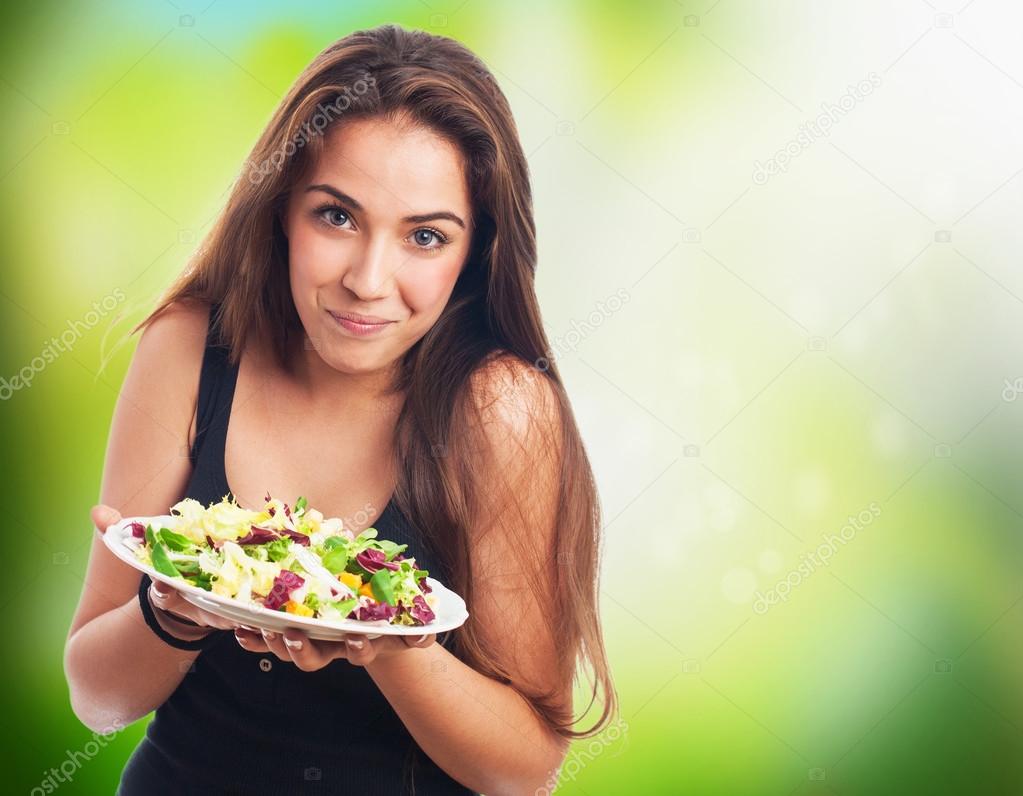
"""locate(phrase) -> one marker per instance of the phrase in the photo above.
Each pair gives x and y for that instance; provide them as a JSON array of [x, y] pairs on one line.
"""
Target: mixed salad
[[287, 559]]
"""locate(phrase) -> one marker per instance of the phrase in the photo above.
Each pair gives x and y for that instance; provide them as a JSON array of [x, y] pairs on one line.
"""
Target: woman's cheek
[[427, 289], [319, 260]]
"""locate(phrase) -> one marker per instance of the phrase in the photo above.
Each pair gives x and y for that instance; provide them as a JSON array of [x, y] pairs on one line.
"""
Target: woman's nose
[[370, 273]]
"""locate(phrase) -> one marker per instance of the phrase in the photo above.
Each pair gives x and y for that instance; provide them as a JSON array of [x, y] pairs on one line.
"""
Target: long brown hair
[[242, 265]]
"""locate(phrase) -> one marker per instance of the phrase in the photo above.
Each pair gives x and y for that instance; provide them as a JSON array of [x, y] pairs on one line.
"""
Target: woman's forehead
[[385, 165]]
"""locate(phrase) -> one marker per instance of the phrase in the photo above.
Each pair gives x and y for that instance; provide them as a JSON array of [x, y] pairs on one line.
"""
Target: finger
[[208, 619], [164, 597], [104, 516], [306, 653], [169, 599], [251, 640], [420, 641], [275, 643], [360, 650]]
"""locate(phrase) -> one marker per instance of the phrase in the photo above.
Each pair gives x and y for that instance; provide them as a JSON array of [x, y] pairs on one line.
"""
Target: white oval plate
[[448, 607]]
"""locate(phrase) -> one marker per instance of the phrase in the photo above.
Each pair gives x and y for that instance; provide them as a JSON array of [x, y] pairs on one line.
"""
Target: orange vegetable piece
[[293, 607], [350, 580]]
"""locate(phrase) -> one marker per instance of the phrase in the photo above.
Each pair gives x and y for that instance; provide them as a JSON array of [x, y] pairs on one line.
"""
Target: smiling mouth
[[362, 320], [359, 324]]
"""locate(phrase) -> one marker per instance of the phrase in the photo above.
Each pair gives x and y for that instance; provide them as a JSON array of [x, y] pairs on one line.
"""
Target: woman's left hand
[[312, 654]]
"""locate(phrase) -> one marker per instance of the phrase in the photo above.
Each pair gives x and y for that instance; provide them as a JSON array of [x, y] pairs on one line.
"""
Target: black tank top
[[249, 723]]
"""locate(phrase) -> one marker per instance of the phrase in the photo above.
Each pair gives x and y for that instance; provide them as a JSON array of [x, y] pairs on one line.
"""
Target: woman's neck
[[320, 384]]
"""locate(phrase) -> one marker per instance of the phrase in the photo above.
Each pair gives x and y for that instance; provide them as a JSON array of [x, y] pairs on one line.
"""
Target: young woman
[[360, 327]]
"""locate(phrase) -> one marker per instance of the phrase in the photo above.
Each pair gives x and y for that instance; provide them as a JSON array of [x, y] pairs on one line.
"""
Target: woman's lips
[[357, 318], [361, 325]]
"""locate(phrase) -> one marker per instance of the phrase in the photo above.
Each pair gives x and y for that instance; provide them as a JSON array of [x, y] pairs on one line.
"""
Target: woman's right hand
[[168, 599], [162, 595]]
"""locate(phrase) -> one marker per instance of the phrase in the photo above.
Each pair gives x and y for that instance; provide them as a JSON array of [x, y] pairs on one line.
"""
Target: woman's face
[[381, 227]]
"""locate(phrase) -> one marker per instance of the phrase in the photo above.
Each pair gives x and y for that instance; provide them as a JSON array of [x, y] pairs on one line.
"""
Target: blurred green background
[[801, 369]]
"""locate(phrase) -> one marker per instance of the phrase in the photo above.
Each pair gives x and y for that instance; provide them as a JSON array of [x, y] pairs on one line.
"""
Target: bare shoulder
[[178, 329], [162, 382], [513, 396], [171, 347]]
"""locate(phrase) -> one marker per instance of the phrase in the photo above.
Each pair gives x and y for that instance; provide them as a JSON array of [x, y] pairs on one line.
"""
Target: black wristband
[[150, 616]]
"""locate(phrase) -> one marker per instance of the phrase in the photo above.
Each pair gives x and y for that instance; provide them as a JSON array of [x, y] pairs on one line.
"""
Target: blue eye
[[424, 236], [330, 214]]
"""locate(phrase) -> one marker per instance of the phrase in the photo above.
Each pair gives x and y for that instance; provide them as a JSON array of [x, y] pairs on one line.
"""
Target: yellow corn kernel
[[300, 609]]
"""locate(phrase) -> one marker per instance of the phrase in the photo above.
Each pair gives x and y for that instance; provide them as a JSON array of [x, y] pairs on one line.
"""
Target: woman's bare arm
[[483, 732], [116, 667]]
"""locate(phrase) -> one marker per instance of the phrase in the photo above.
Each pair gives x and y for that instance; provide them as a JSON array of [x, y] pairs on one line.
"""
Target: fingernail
[[293, 643], [268, 635], [355, 643]]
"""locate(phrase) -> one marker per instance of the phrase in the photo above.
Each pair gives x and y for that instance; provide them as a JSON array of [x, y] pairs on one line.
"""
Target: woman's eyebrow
[[354, 204]]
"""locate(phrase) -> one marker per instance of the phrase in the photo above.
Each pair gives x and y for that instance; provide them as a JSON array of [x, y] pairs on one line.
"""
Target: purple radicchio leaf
[[371, 560], [421, 611], [373, 611], [258, 536], [285, 582]]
